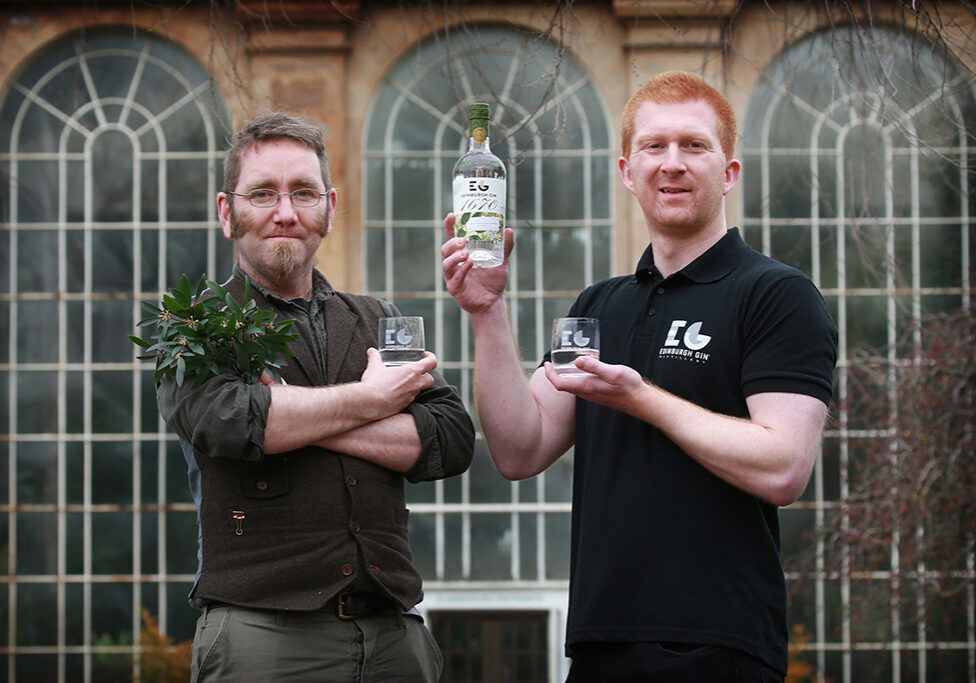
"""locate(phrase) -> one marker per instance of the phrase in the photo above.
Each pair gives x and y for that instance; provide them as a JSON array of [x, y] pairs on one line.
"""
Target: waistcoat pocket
[[263, 484]]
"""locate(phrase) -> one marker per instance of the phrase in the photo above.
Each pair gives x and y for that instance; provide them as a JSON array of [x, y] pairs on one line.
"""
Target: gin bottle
[[479, 194]]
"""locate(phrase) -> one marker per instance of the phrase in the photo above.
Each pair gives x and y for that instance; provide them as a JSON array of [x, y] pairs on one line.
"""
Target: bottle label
[[479, 208]]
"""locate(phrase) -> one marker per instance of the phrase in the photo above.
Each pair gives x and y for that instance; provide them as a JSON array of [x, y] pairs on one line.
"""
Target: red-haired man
[[703, 413]]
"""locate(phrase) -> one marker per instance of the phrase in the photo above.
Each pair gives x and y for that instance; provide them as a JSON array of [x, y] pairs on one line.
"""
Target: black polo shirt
[[662, 549]]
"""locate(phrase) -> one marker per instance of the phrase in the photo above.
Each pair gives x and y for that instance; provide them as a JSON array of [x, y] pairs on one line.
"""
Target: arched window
[[109, 148], [857, 155], [550, 127]]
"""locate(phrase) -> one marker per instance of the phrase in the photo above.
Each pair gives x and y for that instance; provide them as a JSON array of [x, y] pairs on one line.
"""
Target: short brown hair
[[274, 126], [680, 86]]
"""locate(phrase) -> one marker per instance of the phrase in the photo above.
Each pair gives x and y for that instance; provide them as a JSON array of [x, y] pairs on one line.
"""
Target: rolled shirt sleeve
[[224, 417], [446, 433]]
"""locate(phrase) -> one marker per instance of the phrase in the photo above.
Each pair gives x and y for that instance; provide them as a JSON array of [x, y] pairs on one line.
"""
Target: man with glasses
[[305, 569]]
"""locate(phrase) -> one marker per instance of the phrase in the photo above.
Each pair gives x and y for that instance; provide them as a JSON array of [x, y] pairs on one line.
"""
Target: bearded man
[[304, 563]]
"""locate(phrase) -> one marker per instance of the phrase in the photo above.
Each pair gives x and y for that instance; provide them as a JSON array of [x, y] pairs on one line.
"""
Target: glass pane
[[37, 402], [557, 545], [423, 545], [528, 546], [487, 486], [182, 618], [562, 188], [37, 667], [111, 167], [111, 406], [34, 554], [111, 321], [37, 332], [110, 75], [37, 473], [413, 188], [75, 342], [186, 253], [75, 548], [791, 245], [151, 194], [564, 266], [32, 195], [38, 260], [177, 490], [188, 193], [111, 534], [181, 542], [452, 539], [185, 129], [491, 546], [415, 257], [40, 131], [4, 487], [112, 258], [789, 186], [112, 613], [559, 479], [39, 600], [111, 473]]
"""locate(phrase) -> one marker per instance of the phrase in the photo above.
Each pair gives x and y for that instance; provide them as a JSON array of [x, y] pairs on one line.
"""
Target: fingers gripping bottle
[[479, 195]]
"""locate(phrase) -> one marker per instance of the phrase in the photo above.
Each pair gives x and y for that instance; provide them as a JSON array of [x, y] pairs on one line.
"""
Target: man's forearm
[[769, 455], [391, 442], [300, 416], [523, 437]]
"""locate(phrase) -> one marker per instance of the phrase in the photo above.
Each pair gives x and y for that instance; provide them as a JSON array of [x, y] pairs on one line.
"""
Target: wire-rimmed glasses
[[303, 197]]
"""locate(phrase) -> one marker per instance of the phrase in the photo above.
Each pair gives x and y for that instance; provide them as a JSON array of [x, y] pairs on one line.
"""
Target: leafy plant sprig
[[204, 335]]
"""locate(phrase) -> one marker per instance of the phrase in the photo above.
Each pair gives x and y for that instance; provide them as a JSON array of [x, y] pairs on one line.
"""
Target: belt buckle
[[341, 611]]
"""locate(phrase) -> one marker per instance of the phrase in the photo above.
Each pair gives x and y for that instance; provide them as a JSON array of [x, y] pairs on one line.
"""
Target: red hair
[[671, 87]]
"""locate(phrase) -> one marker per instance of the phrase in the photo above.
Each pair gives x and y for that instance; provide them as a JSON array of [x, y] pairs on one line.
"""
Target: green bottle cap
[[478, 115], [478, 110]]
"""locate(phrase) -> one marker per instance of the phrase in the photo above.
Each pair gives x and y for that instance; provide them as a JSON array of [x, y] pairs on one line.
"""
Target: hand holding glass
[[571, 339], [401, 340]]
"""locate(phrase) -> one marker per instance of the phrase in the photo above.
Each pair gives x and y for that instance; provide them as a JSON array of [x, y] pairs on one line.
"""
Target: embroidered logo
[[686, 342]]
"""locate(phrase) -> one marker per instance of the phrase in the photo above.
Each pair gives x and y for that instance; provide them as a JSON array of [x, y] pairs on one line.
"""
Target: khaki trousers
[[242, 645]]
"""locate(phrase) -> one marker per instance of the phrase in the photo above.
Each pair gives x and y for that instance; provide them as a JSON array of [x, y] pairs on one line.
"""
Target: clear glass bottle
[[479, 194]]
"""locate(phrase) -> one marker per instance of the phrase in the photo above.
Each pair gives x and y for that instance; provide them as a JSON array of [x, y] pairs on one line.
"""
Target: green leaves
[[203, 331]]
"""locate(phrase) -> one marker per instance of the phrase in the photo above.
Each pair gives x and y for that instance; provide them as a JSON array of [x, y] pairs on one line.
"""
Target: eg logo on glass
[[578, 340], [403, 337]]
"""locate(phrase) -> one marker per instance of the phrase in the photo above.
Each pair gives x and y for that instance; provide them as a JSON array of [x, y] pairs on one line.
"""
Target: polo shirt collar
[[720, 259]]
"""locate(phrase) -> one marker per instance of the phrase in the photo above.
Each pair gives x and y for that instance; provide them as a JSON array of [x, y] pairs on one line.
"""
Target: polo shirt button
[[351, 480], [346, 570], [355, 527], [660, 290], [651, 312], [261, 485]]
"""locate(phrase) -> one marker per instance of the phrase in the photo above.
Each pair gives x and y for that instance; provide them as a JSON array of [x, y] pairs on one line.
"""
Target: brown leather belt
[[360, 605]]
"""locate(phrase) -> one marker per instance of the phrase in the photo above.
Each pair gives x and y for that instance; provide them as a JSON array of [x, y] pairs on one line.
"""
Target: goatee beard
[[284, 260], [285, 256]]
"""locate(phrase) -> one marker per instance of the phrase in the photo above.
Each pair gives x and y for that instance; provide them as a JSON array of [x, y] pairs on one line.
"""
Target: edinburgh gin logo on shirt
[[686, 342]]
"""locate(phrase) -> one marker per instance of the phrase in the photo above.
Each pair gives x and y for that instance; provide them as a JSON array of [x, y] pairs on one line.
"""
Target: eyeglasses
[[304, 197]]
